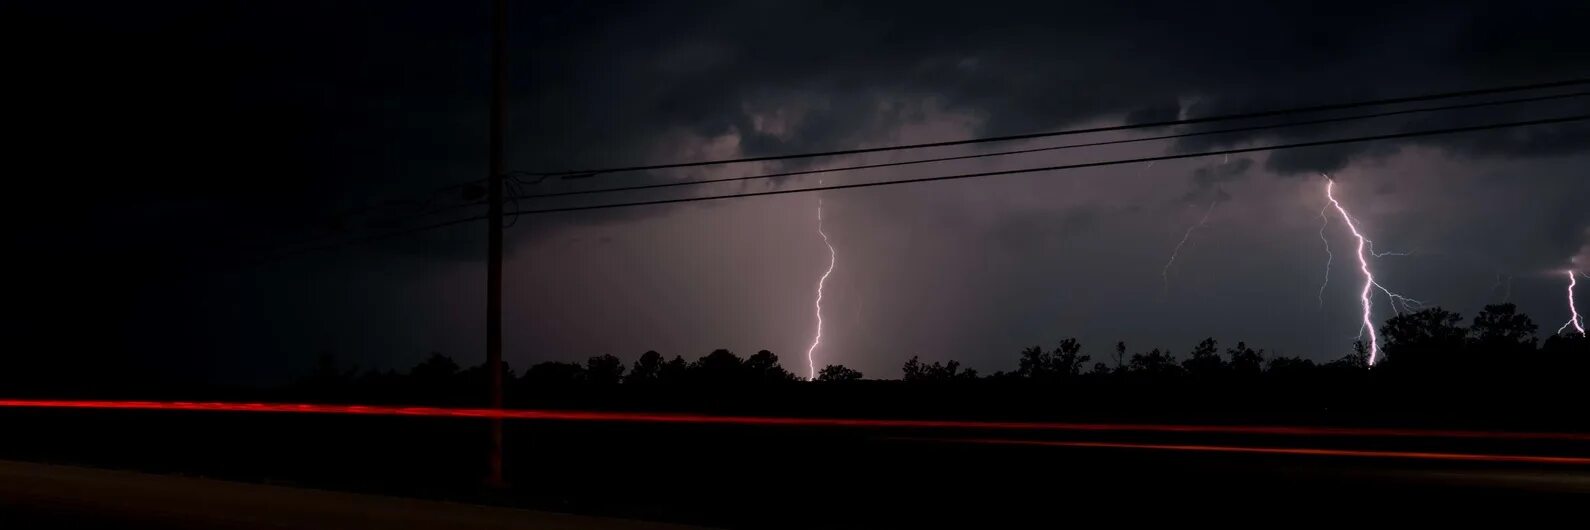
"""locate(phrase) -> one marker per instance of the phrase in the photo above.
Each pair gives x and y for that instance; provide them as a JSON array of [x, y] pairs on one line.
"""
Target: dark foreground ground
[[55, 496], [786, 477]]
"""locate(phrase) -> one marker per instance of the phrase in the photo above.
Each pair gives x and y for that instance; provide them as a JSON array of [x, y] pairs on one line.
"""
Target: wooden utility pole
[[499, 104]]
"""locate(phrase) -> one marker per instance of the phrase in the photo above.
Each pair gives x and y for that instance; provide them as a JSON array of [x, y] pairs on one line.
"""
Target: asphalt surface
[[55, 496], [757, 476]]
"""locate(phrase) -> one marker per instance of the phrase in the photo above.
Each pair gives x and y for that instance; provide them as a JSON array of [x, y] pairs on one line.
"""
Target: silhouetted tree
[[1358, 360], [1033, 364], [1065, 361], [1204, 362], [1155, 364], [1500, 331], [648, 369], [604, 370], [1246, 363], [835, 373], [437, 368], [763, 367], [1288, 367], [675, 371], [720, 366], [917, 371], [553, 375], [1567, 353], [1418, 341]]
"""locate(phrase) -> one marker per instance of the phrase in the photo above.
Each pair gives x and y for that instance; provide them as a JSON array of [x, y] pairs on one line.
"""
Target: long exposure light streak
[[770, 421], [1293, 451]]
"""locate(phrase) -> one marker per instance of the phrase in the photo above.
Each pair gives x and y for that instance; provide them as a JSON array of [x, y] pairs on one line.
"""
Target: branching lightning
[[1164, 273], [811, 362], [1574, 319], [1399, 303], [1384, 254]]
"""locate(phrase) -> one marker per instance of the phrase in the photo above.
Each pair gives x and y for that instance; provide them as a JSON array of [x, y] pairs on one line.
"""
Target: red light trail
[[1294, 451], [767, 421]]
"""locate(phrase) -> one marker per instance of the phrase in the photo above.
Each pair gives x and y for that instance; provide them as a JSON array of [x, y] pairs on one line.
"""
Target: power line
[[582, 173], [435, 193], [1052, 148], [1413, 134], [1338, 141]]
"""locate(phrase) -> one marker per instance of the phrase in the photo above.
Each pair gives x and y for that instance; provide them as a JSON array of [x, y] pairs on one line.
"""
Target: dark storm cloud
[[1209, 181], [1169, 111], [388, 97], [253, 124], [1029, 230], [1216, 174], [1053, 66]]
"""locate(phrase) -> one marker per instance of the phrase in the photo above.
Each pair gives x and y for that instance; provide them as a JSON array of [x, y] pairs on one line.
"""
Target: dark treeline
[[1430, 362], [1431, 365]]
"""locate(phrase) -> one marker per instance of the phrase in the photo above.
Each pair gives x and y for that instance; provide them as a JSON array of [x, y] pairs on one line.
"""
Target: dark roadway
[[769, 477], [53, 496]]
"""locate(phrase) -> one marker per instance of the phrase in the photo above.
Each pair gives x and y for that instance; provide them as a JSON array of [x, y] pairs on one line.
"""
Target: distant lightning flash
[[1325, 221], [1164, 274], [1574, 320], [1365, 296], [1504, 282], [811, 363]]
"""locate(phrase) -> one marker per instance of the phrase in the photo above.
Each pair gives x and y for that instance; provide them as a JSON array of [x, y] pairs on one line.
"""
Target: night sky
[[160, 151]]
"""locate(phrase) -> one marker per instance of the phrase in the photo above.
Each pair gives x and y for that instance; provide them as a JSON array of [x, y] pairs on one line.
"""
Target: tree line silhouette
[[1430, 358], [1426, 350]]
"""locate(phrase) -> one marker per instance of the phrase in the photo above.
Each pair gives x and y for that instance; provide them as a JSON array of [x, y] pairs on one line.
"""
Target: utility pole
[[499, 104]]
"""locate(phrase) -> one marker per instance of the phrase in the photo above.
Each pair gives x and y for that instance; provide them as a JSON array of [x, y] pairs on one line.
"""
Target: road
[[794, 475], [54, 496]]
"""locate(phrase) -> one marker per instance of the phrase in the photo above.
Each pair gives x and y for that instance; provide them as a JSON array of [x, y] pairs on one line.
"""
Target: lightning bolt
[[1575, 320], [1325, 221], [1164, 274], [811, 362], [1366, 296]]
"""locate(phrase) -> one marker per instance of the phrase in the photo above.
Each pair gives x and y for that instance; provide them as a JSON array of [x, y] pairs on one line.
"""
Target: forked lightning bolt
[[1574, 319], [811, 362], [1365, 296]]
